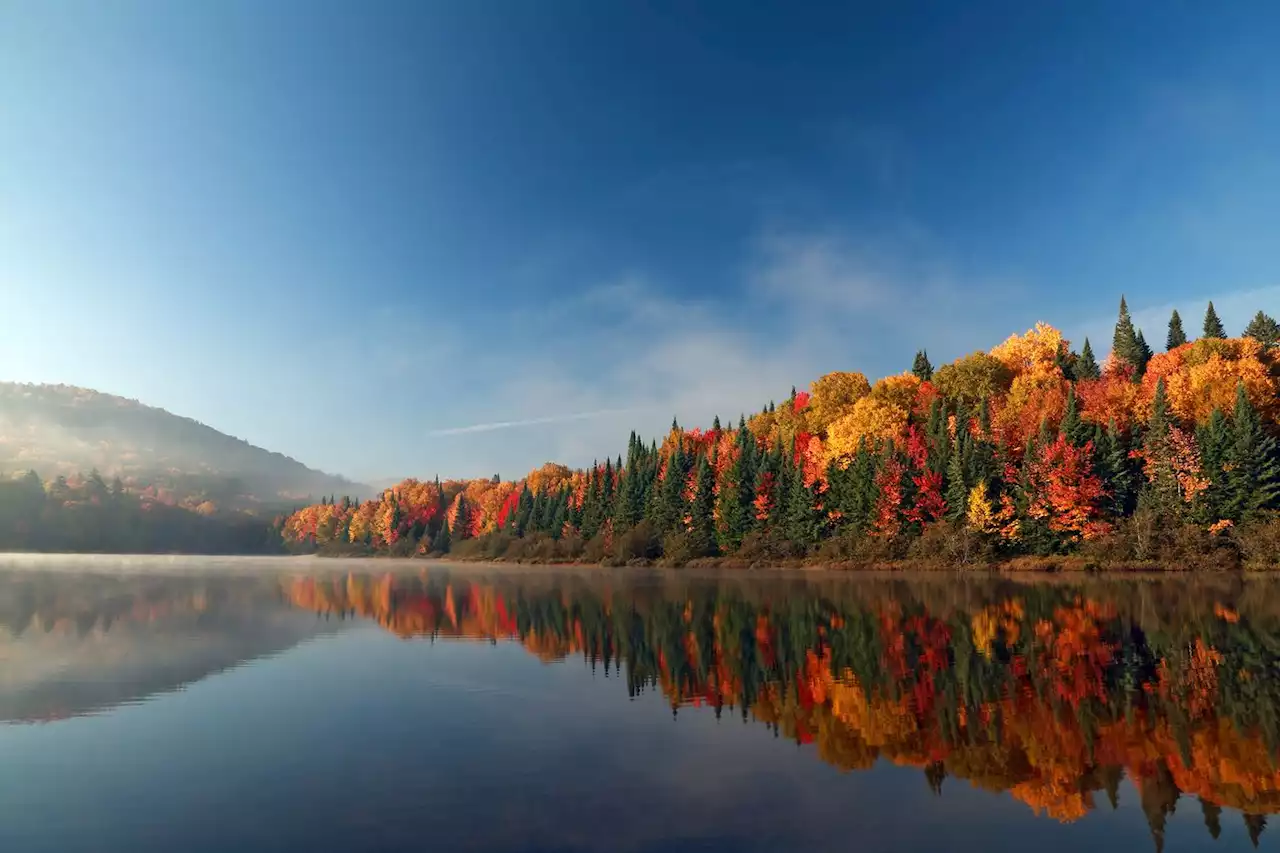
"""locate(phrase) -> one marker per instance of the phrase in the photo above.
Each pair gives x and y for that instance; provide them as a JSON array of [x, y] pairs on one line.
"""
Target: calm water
[[257, 706]]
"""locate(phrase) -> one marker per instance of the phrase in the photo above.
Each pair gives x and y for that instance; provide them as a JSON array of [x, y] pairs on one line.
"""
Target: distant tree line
[[86, 514]]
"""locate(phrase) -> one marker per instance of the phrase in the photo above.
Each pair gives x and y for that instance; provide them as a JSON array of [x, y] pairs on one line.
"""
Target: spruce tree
[[1160, 493], [1212, 325], [938, 437], [802, 523], [1144, 352], [461, 522], [1214, 438], [1263, 329], [1087, 365], [1116, 469], [702, 525], [730, 506], [1253, 463], [669, 504], [957, 495], [441, 543], [921, 366], [1176, 336], [1124, 343], [1075, 431]]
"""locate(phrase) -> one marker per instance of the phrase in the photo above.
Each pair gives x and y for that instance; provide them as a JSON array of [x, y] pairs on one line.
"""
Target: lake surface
[[324, 705]]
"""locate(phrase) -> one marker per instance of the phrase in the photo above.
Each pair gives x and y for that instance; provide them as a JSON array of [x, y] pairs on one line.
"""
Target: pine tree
[[938, 436], [958, 485], [1124, 343], [921, 366], [1254, 466], [1074, 430], [461, 522], [441, 543], [1115, 466], [733, 511], [1176, 336], [669, 504], [1212, 817], [1212, 325], [1161, 493], [803, 521], [702, 524], [1143, 351], [1087, 365], [1214, 439], [1263, 329]]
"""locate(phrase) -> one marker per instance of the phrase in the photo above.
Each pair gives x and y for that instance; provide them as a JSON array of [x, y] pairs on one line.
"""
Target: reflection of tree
[[1049, 692]]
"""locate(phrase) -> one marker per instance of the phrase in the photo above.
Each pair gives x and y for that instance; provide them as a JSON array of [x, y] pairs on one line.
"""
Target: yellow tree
[[872, 418], [834, 396]]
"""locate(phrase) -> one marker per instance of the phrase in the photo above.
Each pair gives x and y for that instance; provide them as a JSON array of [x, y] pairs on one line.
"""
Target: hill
[[59, 430]]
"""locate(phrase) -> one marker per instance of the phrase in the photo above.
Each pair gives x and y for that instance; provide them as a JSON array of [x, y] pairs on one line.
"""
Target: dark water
[[318, 706]]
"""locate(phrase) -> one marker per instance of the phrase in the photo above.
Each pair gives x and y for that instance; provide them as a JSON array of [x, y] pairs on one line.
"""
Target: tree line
[[1031, 448], [85, 514]]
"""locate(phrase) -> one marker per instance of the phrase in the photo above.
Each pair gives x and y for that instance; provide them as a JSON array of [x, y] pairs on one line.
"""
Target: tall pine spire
[[1212, 325], [1176, 336]]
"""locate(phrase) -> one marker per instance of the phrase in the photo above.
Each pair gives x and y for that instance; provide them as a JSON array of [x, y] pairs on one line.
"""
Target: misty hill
[[61, 429]]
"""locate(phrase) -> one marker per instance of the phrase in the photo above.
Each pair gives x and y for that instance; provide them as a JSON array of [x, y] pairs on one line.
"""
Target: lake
[[175, 704]]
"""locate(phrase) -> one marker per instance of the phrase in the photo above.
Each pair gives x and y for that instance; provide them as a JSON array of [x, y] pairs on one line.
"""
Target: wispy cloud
[[528, 422]]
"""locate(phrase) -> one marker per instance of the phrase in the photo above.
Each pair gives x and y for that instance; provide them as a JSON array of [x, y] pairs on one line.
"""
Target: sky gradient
[[401, 239]]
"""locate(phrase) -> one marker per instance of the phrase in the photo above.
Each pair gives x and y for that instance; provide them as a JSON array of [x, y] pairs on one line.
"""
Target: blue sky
[[354, 233]]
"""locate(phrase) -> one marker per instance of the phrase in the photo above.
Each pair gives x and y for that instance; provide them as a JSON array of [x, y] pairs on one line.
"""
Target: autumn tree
[[974, 378]]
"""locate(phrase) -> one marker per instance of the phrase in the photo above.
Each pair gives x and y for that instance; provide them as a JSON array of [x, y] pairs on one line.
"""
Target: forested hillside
[[61, 430], [1030, 448]]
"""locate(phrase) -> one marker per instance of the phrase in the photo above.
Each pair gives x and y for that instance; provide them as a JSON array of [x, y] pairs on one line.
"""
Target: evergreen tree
[[1116, 469], [461, 522], [1212, 817], [732, 505], [559, 514], [1144, 352], [1072, 428], [1254, 467], [1176, 336], [1160, 493], [1087, 365], [802, 521], [921, 366], [702, 525], [441, 542], [1212, 325], [958, 485], [1263, 329], [1215, 439], [1254, 824], [592, 505], [938, 437], [669, 503], [1124, 343]]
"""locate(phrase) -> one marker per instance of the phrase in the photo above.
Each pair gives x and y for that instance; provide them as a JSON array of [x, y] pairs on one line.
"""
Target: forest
[[1049, 692], [85, 514], [1031, 454]]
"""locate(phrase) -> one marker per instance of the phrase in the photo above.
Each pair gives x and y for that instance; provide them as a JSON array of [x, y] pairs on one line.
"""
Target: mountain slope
[[61, 429]]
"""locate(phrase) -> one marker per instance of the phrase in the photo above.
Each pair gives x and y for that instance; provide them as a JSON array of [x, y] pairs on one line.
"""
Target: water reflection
[[1052, 694]]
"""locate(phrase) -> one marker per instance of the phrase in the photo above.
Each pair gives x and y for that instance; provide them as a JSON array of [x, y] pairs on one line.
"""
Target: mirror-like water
[[295, 705]]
